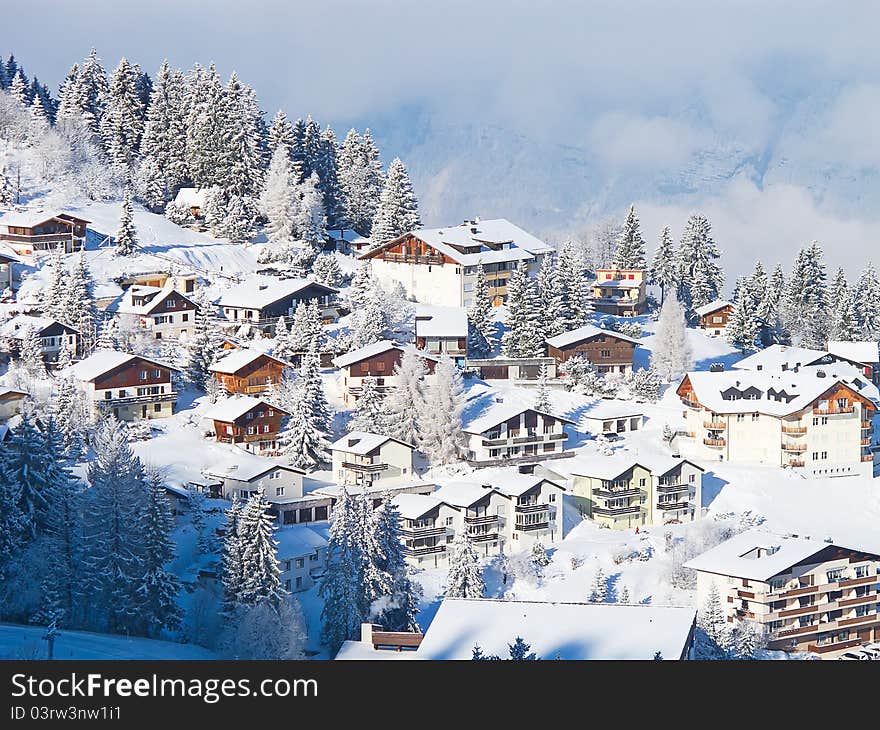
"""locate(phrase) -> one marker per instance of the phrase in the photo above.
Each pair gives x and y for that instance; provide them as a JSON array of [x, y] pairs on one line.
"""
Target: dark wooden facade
[[717, 319], [381, 365], [172, 303], [259, 425], [60, 231], [606, 351], [135, 373], [258, 376]]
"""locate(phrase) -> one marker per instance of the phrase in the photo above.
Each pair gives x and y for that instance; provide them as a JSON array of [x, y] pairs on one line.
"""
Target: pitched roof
[[377, 348], [413, 506], [613, 409], [863, 352], [298, 540], [160, 294], [261, 291], [583, 333], [31, 218], [739, 556], [229, 409], [497, 413], [102, 361], [361, 442], [441, 321], [576, 631], [247, 469], [792, 391], [237, 359], [190, 197], [463, 494], [15, 327], [712, 306], [782, 357], [498, 232]]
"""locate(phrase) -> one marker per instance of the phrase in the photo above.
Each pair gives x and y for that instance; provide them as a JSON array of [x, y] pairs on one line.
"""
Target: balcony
[[799, 591], [615, 511], [859, 601], [794, 447], [715, 443], [866, 425], [861, 581], [370, 468], [714, 425], [796, 463], [136, 399], [671, 488], [532, 526], [867, 457], [424, 549], [423, 531], [483, 536], [835, 646], [495, 442], [800, 611], [481, 519], [690, 403], [866, 442], [612, 493], [671, 506], [407, 258], [833, 410], [794, 430], [531, 508]]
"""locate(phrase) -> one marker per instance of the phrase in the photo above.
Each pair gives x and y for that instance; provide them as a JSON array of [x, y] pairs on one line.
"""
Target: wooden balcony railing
[[714, 425], [714, 442], [794, 447], [833, 410], [794, 430]]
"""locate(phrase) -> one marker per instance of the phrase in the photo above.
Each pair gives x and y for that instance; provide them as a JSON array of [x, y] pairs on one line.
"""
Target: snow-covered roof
[[345, 234], [599, 466], [261, 291], [463, 494], [31, 218], [237, 359], [498, 232], [7, 391], [607, 409], [617, 283], [574, 631], [441, 321], [296, 541], [756, 555], [190, 198], [413, 506], [782, 357], [377, 348], [712, 306], [377, 487], [21, 322], [509, 480], [236, 406], [125, 303], [497, 413], [583, 333], [778, 393], [250, 468], [361, 442], [7, 254], [863, 352], [102, 361]]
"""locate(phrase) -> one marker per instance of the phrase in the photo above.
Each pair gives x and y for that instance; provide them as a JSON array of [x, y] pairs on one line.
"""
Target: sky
[[553, 114]]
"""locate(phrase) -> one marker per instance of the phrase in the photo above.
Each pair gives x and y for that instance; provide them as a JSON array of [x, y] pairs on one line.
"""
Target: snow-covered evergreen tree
[[327, 271], [523, 337], [868, 302], [439, 421], [261, 574], [742, 329], [122, 124], [233, 572], [542, 397], [279, 202], [361, 180], [748, 637], [700, 278], [845, 317], [465, 578], [483, 337], [711, 621], [304, 439], [581, 376], [26, 469], [369, 413], [204, 348], [573, 307], [398, 209], [310, 221], [805, 306], [406, 401], [280, 136], [599, 591], [401, 606], [630, 252], [31, 353], [158, 589], [671, 356], [664, 266], [126, 235]]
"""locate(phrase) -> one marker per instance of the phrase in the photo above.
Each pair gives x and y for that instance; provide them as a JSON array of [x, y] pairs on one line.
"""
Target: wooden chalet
[[375, 361], [714, 316], [608, 351], [246, 371], [261, 300], [26, 233], [251, 423]]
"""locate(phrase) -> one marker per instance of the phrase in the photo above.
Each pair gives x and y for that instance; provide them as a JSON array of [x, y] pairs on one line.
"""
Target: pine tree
[[542, 397], [126, 236], [671, 355], [397, 211], [700, 277], [868, 302], [519, 651], [280, 136], [327, 271], [439, 421], [158, 589], [310, 221], [664, 269], [31, 353], [742, 329], [370, 322], [523, 336], [93, 91], [624, 596], [582, 377], [233, 570], [805, 309], [599, 592], [18, 90], [483, 338], [402, 604], [712, 622], [278, 201], [206, 127], [549, 294], [341, 616], [26, 466], [465, 578], [305, 437], [70, 415], [845, 322], [631, 247], [407, 399], [204, 347], [122, 124], [261, 574], [360, 180], [573, 307], [369, 413], [241, 167], [748, 638]]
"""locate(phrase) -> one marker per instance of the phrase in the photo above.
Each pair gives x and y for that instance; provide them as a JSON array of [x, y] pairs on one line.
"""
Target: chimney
[[367, 633], [527, 468]]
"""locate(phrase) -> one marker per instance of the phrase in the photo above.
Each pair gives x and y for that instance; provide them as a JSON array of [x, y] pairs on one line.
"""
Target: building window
[[157, 407], [287, 585], [299, 582], [299, 562], [279, 491], [143, 374], [605, 353]]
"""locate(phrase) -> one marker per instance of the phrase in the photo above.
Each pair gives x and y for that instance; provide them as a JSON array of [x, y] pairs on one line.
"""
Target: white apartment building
[[506, 431], [439, 265], [361, 458], [816, 419], [52, 334], [162, 311], [810, 595], [505, 511], [302, 556]]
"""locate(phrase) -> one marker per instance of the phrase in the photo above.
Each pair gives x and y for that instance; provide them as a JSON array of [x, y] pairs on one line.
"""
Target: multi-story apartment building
[[54, 336], [130, 387], [621, 292], [505, 511], [439, 265], [865, 355], [31, 231], [624, 491], [506, 431], [162, 311], [714, 316], [245, 371], [302, 556], [442, 330], [809, 595], [374, 361], [361, 458], [250, 423], [816, 419], [609, 351]]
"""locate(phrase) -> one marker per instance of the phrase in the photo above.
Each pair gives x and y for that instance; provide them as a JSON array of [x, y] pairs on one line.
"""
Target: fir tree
[[158, 589], [369, 414], [439, 421], [542, 397], [305, 438], [664, 269], [520, 651], [261, 574], [465, 578], [573, 307], [845, 321], [700, 277], [126, 236], [406, 401], [523, 336], [671, 356], [713, 624], [26, 467], [122, 123], [280, 136], [402, 605], [483, 337], [327, 271], [397, 211], [631, 247], [278, 201], [31, 353], [599, 592], [868, 302], [805, 306], [742, 329], [233, 571]]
